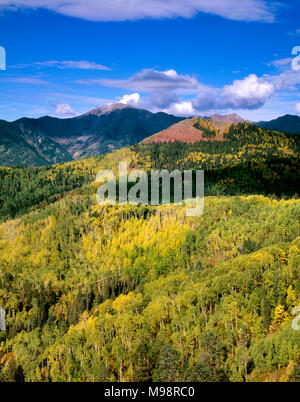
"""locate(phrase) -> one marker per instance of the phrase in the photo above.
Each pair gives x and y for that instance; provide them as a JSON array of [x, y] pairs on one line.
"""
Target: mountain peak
[[111, 107], [229, 118]]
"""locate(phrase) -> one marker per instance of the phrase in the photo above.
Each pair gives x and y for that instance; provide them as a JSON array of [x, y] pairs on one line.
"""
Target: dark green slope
[[14, 150], [122, 128], [48, 140], [286, 124], [19, 147], [99, 131]]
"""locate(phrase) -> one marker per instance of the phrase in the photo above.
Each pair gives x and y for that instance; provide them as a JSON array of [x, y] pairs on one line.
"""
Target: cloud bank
[[185, 95], [124, 10], [150, 80]]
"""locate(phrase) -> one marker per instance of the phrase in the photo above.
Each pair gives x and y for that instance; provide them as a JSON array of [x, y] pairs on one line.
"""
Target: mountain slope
[[50, 140], [286, 124], [21, 147], [191, 131]]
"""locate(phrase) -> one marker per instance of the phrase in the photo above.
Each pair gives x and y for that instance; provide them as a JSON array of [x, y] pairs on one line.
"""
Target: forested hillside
[[237, 159], [139, 293], [287, 124], [17, 150], [24, 188]]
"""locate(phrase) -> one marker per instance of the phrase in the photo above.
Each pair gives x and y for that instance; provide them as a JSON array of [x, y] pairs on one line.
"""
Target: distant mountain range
[[49, 140], [286, 124]]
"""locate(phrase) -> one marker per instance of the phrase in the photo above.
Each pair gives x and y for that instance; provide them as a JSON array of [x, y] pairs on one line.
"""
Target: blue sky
[[191, 57]]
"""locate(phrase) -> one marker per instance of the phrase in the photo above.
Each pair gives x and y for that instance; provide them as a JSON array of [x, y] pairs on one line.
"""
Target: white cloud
[[121, 10], [64, 64], [249, 93], [63, 109], [182, 109], [171, 73], [150, 80], [297, 107], [132, 99]]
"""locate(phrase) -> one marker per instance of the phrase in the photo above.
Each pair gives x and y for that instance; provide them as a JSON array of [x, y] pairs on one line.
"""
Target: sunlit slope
[[187, 131], [141, 293]]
